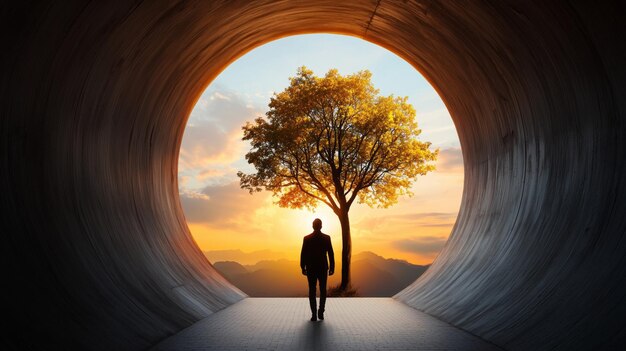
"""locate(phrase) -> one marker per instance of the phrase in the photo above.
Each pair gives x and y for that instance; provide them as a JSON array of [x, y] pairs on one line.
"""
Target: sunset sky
[[221, 216]]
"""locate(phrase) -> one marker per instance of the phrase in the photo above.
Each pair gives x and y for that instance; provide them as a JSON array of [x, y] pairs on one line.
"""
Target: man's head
[[317, 224]]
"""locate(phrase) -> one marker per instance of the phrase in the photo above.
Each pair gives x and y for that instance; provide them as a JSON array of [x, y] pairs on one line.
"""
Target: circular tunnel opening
[[256, 244]]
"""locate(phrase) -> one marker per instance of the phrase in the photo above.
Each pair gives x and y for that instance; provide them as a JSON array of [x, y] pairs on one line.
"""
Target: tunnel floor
[[350, 324]]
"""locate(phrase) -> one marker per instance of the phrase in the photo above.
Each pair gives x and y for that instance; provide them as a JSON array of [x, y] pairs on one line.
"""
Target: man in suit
[[314, 264]]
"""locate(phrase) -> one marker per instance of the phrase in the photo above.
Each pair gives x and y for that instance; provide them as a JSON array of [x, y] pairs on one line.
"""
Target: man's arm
[[302, 253], [331, 257]]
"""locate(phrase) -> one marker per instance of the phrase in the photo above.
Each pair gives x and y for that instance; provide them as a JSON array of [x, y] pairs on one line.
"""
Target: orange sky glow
[[425, 219]]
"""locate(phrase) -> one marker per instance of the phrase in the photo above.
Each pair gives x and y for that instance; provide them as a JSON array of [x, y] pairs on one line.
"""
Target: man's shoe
[[320, 314], [314, 318]]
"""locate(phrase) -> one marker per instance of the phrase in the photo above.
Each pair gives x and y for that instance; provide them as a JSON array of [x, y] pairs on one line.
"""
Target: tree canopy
[[334, 140]]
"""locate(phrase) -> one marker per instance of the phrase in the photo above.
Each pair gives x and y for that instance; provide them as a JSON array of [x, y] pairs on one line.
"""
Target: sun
[[303, 220]]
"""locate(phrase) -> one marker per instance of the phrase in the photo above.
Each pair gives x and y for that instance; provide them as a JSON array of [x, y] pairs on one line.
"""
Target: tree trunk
[[346, 249]]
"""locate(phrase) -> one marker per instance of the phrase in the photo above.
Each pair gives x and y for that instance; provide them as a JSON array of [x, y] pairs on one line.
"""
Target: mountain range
[[372, 275], [245, 258]]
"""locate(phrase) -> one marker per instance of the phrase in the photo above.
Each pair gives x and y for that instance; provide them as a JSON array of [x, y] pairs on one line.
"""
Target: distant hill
[[243, 257], [403, 272], [372, 274], [230, 268]]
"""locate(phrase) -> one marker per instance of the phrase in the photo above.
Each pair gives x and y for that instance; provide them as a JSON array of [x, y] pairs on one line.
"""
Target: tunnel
[[95, 96]]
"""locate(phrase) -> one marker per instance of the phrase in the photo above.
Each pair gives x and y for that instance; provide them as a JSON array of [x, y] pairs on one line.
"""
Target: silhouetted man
[[315, 266]]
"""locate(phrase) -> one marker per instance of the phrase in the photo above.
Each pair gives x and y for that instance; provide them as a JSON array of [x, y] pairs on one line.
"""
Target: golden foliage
[[334, 139]]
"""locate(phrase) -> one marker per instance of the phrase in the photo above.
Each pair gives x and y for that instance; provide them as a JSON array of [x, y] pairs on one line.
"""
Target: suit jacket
[[315, 246]]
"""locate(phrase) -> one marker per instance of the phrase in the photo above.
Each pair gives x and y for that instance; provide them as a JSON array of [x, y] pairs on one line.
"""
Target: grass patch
[[336, 291]]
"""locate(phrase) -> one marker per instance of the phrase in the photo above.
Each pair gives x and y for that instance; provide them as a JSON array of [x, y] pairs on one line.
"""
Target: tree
[[334, 140]]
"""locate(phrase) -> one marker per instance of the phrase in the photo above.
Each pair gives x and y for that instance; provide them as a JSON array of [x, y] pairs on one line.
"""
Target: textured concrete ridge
[[94, 98], [350, 324]]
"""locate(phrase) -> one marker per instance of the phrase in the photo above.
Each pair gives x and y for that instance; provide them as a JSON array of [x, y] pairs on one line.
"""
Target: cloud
[[221, 205], [213, 133], [421, 219], [438, 216], [421, 245], [195, 195], [450, 160]]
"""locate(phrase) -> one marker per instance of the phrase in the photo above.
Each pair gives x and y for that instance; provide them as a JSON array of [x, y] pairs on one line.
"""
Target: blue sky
[[212, 151], [266, 69], [269, 66]]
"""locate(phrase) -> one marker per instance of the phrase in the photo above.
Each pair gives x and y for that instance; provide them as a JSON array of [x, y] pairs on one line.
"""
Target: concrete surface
[[359, 324], [94, 97]]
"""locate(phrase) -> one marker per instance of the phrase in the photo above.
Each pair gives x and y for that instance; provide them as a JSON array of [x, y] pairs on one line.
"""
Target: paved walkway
[[351, 324]]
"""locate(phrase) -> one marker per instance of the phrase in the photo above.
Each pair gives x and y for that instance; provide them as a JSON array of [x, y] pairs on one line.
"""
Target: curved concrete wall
[[96, 252]]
